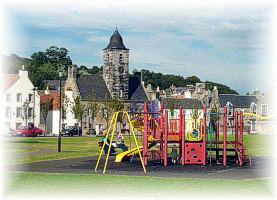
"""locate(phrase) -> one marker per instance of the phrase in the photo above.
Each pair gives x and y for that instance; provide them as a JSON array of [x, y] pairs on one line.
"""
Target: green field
[[33, 149], [37, 149]]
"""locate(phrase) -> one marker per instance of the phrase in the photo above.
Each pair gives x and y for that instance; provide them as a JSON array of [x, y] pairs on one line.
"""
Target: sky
[[221, 41]]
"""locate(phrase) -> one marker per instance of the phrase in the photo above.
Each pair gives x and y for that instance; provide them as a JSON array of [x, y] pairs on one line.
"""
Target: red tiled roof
[[54, 96], [9, 80]]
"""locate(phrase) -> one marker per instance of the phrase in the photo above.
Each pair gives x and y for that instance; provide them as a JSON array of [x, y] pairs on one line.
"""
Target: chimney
[[158, 88], [72, 71], [215, 92], [23, 73], [139, 77]]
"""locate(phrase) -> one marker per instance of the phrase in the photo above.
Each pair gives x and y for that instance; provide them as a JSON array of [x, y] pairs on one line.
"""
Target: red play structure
[[207, 147]]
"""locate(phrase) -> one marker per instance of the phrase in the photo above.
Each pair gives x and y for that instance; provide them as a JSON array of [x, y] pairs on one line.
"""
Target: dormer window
[[253, 108], [230, 109]]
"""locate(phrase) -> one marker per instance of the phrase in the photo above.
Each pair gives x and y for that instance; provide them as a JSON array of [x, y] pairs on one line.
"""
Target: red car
[[26, 131]]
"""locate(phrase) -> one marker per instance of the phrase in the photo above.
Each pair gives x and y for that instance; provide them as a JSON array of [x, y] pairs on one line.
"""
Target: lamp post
[[60, 121], [34, 105]]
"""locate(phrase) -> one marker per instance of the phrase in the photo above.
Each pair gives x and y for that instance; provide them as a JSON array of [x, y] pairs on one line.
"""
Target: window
[[253, 125], [108, 58], [253, 108], [89, 113], [8, 97], [30, 97], [18, 112], [8, 112], [120, 58], [104, 113], [30, 112], [18, 97], [121, 93], [18, 126], [264, 110], [230, 109]]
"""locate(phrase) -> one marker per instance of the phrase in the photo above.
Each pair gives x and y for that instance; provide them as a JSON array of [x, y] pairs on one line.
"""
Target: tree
[[78, 110], [26, 112], [65, 104], [93, 107], [45, 65], [215, 116], [109, 106], [44, 109], [171, 105], [195, 116]]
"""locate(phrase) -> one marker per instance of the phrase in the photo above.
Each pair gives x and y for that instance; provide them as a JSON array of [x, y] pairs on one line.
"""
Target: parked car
[[27, 131], [71, 131]]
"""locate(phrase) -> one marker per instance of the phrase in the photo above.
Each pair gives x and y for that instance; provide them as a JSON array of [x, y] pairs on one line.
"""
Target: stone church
[[116, 82]]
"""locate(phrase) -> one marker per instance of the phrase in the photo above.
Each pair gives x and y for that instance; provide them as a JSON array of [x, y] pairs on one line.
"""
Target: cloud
[[224, 42]]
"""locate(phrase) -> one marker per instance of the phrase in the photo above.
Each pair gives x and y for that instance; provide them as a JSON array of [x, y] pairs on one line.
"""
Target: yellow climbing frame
[[113, 127]]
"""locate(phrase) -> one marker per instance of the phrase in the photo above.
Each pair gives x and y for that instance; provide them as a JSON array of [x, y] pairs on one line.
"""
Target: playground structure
[[199, 144]]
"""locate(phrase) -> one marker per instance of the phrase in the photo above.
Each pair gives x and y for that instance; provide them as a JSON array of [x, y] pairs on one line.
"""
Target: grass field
[[33, 149], [25, 182]]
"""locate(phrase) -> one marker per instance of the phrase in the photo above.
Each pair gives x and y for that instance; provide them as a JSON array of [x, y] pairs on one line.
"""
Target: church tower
[[116, 67]]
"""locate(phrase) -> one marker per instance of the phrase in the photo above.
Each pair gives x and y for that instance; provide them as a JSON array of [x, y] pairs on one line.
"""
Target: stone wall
[[116, 72]]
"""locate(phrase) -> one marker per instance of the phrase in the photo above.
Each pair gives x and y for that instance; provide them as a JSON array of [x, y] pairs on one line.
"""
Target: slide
[[119, 157]]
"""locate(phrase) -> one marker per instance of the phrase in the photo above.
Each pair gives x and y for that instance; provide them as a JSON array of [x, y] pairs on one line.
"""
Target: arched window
[[120, 58], [230, 109]]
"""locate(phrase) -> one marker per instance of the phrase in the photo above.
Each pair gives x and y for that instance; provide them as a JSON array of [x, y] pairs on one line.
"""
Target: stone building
[[116, 67], [116, 82], [266, 109], [234, 102]]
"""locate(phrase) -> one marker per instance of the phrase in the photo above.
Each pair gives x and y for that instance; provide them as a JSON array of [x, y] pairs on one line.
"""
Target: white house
[[20, 101], [52, 123]]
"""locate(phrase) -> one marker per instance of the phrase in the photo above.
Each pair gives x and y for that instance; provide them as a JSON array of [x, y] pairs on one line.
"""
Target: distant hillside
[[13, 63], [166, 80]]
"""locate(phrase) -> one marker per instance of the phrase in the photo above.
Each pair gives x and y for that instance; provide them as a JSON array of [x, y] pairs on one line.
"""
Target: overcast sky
[[230, 43]]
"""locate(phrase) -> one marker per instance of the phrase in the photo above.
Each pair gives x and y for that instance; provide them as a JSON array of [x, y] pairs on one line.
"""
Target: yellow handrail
[[258, 116]]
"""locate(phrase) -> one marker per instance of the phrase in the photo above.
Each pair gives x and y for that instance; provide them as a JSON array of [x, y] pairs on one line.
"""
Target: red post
[[241, 134], [145, 134], [224, 137], [204, 136], [165, 138], [182, 135], [162, 124], [236, 130], [217, 140]]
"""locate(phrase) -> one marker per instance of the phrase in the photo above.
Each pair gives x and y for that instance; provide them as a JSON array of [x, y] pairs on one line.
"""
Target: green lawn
[[31, 149], [44, 183]]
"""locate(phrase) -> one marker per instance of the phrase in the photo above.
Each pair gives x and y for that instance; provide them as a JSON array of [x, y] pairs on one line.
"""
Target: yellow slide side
[[120, 156]]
